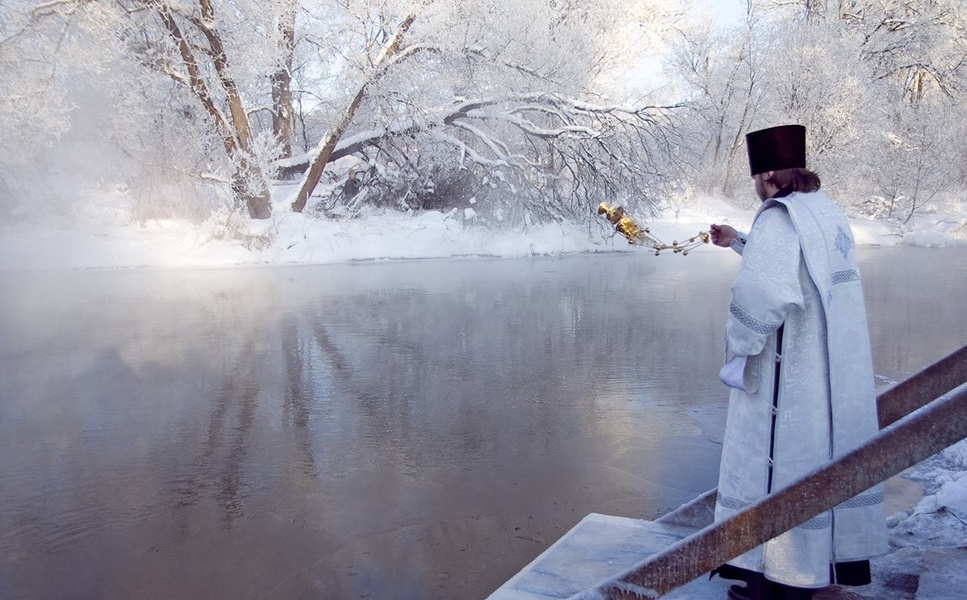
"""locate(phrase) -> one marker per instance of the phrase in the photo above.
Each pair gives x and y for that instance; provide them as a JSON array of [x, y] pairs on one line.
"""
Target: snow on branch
[[497, 147], [546, 101], [466, 150], [545, 132], [508, 110]]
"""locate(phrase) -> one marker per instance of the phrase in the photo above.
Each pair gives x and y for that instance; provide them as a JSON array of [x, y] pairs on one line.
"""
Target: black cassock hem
[[851, 573]]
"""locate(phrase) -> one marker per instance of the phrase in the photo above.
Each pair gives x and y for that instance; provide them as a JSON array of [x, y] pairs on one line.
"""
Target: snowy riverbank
[[104, 234]]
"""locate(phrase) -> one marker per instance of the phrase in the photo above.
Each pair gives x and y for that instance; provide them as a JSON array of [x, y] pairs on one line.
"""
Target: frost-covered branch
[[392, 53], [467, 150], [195, 80], [498, 148]]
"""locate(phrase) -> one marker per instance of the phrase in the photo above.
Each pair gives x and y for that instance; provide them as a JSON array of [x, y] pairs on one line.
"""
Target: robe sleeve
[[738, 244], [767, 286]]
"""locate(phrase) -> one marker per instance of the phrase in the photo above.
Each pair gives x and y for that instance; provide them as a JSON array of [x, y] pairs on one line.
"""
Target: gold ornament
[[641, 236]]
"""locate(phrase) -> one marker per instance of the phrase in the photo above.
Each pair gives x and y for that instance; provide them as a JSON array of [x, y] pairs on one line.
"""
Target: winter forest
[[525, 110]]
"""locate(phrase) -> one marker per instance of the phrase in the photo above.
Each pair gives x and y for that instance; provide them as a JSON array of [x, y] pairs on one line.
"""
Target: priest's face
[[760, 186], [763, 185]]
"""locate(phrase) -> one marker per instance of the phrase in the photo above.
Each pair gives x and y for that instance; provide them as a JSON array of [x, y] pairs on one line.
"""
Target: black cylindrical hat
[[777, 148]]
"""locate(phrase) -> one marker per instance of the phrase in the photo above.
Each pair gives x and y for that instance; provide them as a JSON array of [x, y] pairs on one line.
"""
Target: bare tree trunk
[[314, 174], [282, 112], [328, 144], [236, 133], [258, 203], [257, 200]]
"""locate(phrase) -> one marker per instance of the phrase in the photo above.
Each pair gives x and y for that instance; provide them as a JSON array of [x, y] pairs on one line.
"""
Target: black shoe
[[788, 592], [738, 592], [760, 588], [728, 571]]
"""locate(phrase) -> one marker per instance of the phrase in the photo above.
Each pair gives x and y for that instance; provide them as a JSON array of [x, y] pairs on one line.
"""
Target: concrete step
[[601, 546], [597, 548], [944, 575]]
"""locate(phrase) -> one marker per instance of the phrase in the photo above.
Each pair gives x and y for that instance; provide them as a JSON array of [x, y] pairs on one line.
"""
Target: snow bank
[[104, 234], [940, 519]]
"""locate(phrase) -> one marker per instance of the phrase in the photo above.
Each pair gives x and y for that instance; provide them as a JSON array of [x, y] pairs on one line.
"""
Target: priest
[[799, 364]]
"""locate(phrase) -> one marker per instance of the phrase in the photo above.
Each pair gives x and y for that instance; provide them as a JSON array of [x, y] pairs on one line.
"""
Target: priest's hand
[[722, 235]]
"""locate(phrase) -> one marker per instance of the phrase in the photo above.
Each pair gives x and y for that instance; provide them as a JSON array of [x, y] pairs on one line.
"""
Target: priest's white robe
[[799, 272]]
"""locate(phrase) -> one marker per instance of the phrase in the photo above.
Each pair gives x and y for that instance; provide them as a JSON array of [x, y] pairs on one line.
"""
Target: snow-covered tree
[[498, 100], [495, 103], [34, 108], [914, 55], [211, 52], [816, 76], [918, 45], [879, 86], [720, 71], [922, 152], [195, 69]]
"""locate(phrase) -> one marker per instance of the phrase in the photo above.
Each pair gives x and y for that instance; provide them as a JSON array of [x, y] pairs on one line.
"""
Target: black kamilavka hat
[[777, 148]]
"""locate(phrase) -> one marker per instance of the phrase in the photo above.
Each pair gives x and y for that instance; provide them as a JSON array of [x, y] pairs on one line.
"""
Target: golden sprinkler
[[641, 236]]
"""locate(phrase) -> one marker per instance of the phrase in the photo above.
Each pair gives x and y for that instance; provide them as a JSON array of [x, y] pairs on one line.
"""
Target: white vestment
[[799, 272]]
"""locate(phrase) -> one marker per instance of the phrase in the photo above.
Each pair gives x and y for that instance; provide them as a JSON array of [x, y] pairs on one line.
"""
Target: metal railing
[[919, 417]]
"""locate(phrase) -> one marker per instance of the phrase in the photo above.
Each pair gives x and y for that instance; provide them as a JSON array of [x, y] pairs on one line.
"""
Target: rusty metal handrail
[[903, 444], [913, 393], [892, 404]]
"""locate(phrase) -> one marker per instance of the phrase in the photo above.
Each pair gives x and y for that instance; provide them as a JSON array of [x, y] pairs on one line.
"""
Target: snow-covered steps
[[601, 546], [597, 548]]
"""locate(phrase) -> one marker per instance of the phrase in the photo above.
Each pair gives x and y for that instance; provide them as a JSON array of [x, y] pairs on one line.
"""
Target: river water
[[416, 429]]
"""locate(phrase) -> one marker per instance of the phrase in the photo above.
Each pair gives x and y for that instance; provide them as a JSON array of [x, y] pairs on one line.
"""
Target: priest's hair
[[794, 180]]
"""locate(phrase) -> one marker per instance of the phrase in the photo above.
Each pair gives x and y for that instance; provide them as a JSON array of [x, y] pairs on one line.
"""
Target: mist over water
[[385, 430]]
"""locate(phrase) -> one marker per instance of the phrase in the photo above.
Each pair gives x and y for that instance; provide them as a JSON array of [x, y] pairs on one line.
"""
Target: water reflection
[[403, 430], [914, 297]]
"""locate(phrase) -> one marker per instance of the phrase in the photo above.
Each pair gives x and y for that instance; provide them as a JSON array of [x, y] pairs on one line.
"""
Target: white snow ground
[[102, 233]]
